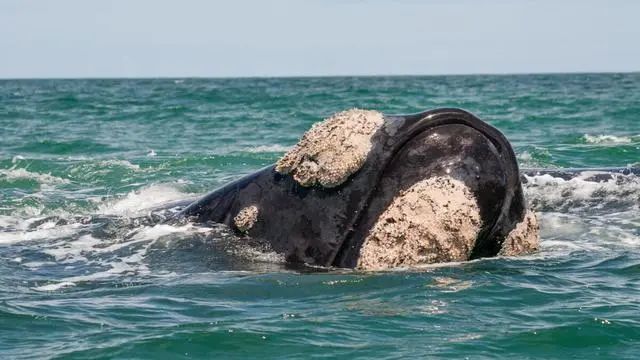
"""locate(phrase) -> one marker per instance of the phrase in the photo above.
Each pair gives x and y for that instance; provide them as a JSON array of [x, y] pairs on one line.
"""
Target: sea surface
[[83, 275]]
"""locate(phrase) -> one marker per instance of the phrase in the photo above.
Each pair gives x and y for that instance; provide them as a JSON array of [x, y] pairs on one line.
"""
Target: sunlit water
[[86, 274]]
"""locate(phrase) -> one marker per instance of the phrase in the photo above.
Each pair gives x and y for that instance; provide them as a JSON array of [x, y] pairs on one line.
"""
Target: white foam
[[17, 158], [17, 228], [71, 251], [9, 222], [140, 201], [268, 148], [527, 159], [19, 173], [75, 158], [581, 214], [157, 231], [524, 156], [546, 191], [121, 163], [610, 139], [43, 232], [249, 252], [55, 286], [29, 212], [88, 250], [563, 231]]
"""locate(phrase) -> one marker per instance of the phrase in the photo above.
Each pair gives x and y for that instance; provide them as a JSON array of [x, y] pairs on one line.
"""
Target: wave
[[585, 213], [121, 239], [122, 256], [562, 233], [120, 163], [139, 202], [29, 224], [20, 173], [610, 139], [582, 193], [524, 156], [275, 148], [49, 230], [85, 169]]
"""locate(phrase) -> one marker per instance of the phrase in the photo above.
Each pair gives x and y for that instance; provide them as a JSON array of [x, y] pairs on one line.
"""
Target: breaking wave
[[585, 192], [20, 173], [123, 239], [610, 139], [585, 213]]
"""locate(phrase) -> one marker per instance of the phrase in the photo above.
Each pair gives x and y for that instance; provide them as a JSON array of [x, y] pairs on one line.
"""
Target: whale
[[369, 190]]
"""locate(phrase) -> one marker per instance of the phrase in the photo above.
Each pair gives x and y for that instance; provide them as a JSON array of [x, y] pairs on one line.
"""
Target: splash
[[121, 240], [139, 202], [583, 192], [585, 215]]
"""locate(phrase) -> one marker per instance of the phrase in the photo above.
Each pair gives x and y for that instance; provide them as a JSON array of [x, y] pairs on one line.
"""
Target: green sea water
[[82, 277]]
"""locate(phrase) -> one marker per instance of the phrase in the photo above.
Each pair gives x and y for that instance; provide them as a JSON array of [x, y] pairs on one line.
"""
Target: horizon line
[[172, 77]]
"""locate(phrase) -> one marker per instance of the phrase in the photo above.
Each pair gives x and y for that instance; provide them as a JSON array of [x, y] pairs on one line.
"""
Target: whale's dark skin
[[327, 226]]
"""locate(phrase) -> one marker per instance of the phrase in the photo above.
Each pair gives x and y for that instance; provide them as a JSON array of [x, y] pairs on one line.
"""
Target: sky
[[240, 38]]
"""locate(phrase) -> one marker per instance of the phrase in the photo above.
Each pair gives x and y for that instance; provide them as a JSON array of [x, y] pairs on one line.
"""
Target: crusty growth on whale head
[[332, 150], [524, 238], [246, 218], [435, 220]]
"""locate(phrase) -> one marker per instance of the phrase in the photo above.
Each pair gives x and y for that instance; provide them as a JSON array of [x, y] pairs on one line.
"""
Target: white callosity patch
[[524, 238], [435, 220], [332, 150], [246, 218]]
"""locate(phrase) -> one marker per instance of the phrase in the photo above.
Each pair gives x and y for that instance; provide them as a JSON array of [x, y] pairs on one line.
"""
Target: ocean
[[83, 276]]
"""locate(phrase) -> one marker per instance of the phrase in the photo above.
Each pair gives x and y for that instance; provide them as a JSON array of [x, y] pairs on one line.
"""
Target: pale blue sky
[[149, 38]]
